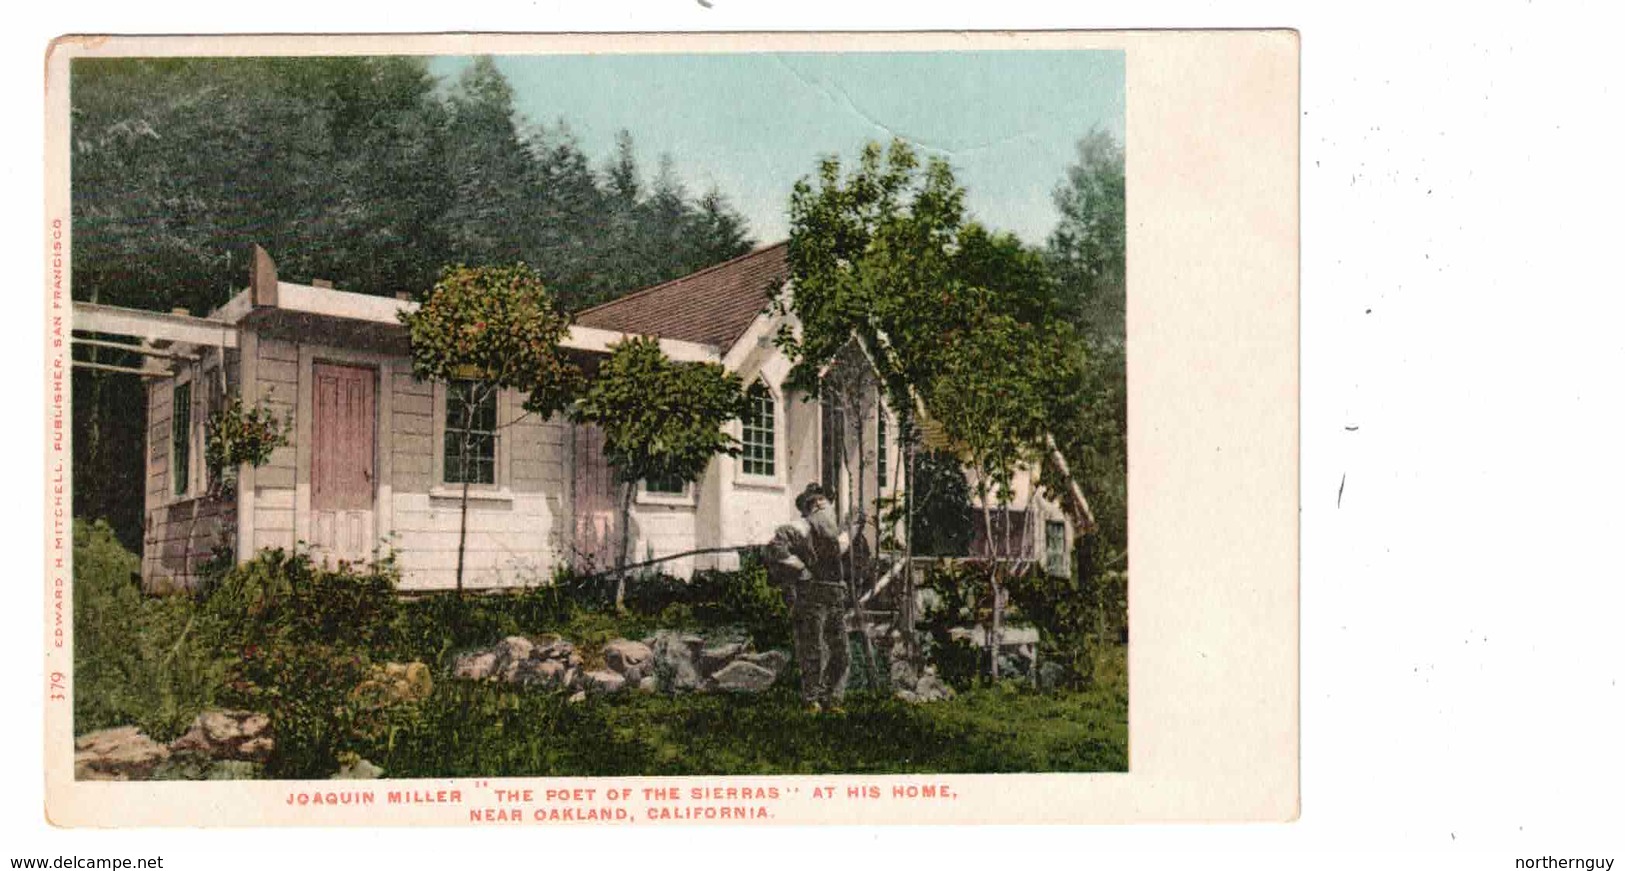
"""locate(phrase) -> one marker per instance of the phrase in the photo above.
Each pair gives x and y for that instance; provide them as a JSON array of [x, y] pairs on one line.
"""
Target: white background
[[1463, 344]]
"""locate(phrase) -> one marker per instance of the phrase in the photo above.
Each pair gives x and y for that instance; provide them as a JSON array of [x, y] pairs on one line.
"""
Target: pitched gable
[[713, 306]]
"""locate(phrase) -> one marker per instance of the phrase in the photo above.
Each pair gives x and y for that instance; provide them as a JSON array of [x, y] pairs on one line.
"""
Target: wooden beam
[[152, 326], [1081, 504], [262, 279], [125, 370], [136, 349]]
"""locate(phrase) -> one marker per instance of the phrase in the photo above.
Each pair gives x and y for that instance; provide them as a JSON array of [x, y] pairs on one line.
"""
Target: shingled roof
[[713, 306]]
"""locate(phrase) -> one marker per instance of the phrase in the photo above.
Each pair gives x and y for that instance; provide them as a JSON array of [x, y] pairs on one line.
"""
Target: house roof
[[712, 307]]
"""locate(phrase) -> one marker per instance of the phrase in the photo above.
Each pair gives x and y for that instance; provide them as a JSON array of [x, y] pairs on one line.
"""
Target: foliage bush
[[1075, 622], [745, 598], [294, 639], [301, 637], [237, 435], [152, 662], [1066, 620], [955, 598]]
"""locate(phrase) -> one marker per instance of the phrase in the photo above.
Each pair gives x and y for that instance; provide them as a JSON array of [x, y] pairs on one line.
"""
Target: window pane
[[665, 484], [880, 442], [1055, 546], [181, 429], [758, 431], [470, 453]]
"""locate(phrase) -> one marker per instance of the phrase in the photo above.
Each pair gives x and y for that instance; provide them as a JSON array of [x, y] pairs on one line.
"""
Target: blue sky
[[751, 124]]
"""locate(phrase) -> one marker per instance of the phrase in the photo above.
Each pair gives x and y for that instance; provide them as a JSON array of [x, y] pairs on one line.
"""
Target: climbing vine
[[237, 435]]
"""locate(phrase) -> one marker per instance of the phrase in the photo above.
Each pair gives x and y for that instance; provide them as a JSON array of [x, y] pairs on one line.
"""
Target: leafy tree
[[660, 418], [491, 171], [362, 170], [942, 505], [1089, 414], [956, 316], [1087, 248], [491, 328]]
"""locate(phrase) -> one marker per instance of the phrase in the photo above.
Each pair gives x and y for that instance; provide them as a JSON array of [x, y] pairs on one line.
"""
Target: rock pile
[[240, 735], [668, 661], [549, 661], [916, 685], [124, 753], [218, 744]]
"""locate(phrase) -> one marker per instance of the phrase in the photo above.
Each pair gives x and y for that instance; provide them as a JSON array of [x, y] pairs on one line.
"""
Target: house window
[[669, 484], [1055, 561], [880, 442], [471, 439], [758, 431], [180, 419]]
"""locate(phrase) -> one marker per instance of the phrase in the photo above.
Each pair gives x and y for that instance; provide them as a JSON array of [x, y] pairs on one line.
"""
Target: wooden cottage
[[364, 472]]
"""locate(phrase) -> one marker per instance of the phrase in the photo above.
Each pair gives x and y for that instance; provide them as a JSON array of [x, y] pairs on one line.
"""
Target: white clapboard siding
[[512, 540], [276, 370]]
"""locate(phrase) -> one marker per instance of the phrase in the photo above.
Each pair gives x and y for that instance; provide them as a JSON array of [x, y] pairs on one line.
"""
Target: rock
[[903, 674], [580, 696], [514, 648], [357, 769], [228, 735], [743, 677], [395, 683], [932, 689], [649, 685], [603, 681], [552, 671], [123, 753], [480, 665], [632, 659], [713, 659], [673, 657], [556, 648], [545, 672], [772, 660]]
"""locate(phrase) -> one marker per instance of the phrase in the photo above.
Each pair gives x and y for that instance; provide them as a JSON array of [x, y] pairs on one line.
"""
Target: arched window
[[759, 458]]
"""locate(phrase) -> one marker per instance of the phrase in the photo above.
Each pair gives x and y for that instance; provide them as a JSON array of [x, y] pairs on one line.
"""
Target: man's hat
[[805, 500]]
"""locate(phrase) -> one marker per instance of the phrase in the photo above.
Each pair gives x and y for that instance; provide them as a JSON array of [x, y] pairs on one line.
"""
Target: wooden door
[[597, 503], [342, 461]]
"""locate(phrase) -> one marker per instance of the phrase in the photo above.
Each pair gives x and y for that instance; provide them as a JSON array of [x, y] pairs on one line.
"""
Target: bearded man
[[807, 557]]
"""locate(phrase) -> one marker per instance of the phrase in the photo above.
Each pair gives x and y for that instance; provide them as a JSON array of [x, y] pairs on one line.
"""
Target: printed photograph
[[598, 415]]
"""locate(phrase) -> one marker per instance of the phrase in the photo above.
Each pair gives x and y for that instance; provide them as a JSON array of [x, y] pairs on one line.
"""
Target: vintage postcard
[[635, 429]]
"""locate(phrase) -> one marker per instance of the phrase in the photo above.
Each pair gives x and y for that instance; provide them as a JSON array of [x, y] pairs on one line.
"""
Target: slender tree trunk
[[908, 552], [462, 472], [853, 489], [993, 582], [623, 555], [998, 620]]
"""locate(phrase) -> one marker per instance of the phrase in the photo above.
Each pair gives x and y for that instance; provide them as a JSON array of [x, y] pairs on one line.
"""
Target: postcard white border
[[1212, 166]]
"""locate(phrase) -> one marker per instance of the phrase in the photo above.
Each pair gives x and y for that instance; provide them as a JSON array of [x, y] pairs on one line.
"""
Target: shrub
[[743, 598], [1065, 618], [954, 599], [301, 636], [143, 660], [284, 596], [238, 435]]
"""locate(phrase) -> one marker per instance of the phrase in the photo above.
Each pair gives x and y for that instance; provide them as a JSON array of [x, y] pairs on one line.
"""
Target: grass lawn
[[497, 731]]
